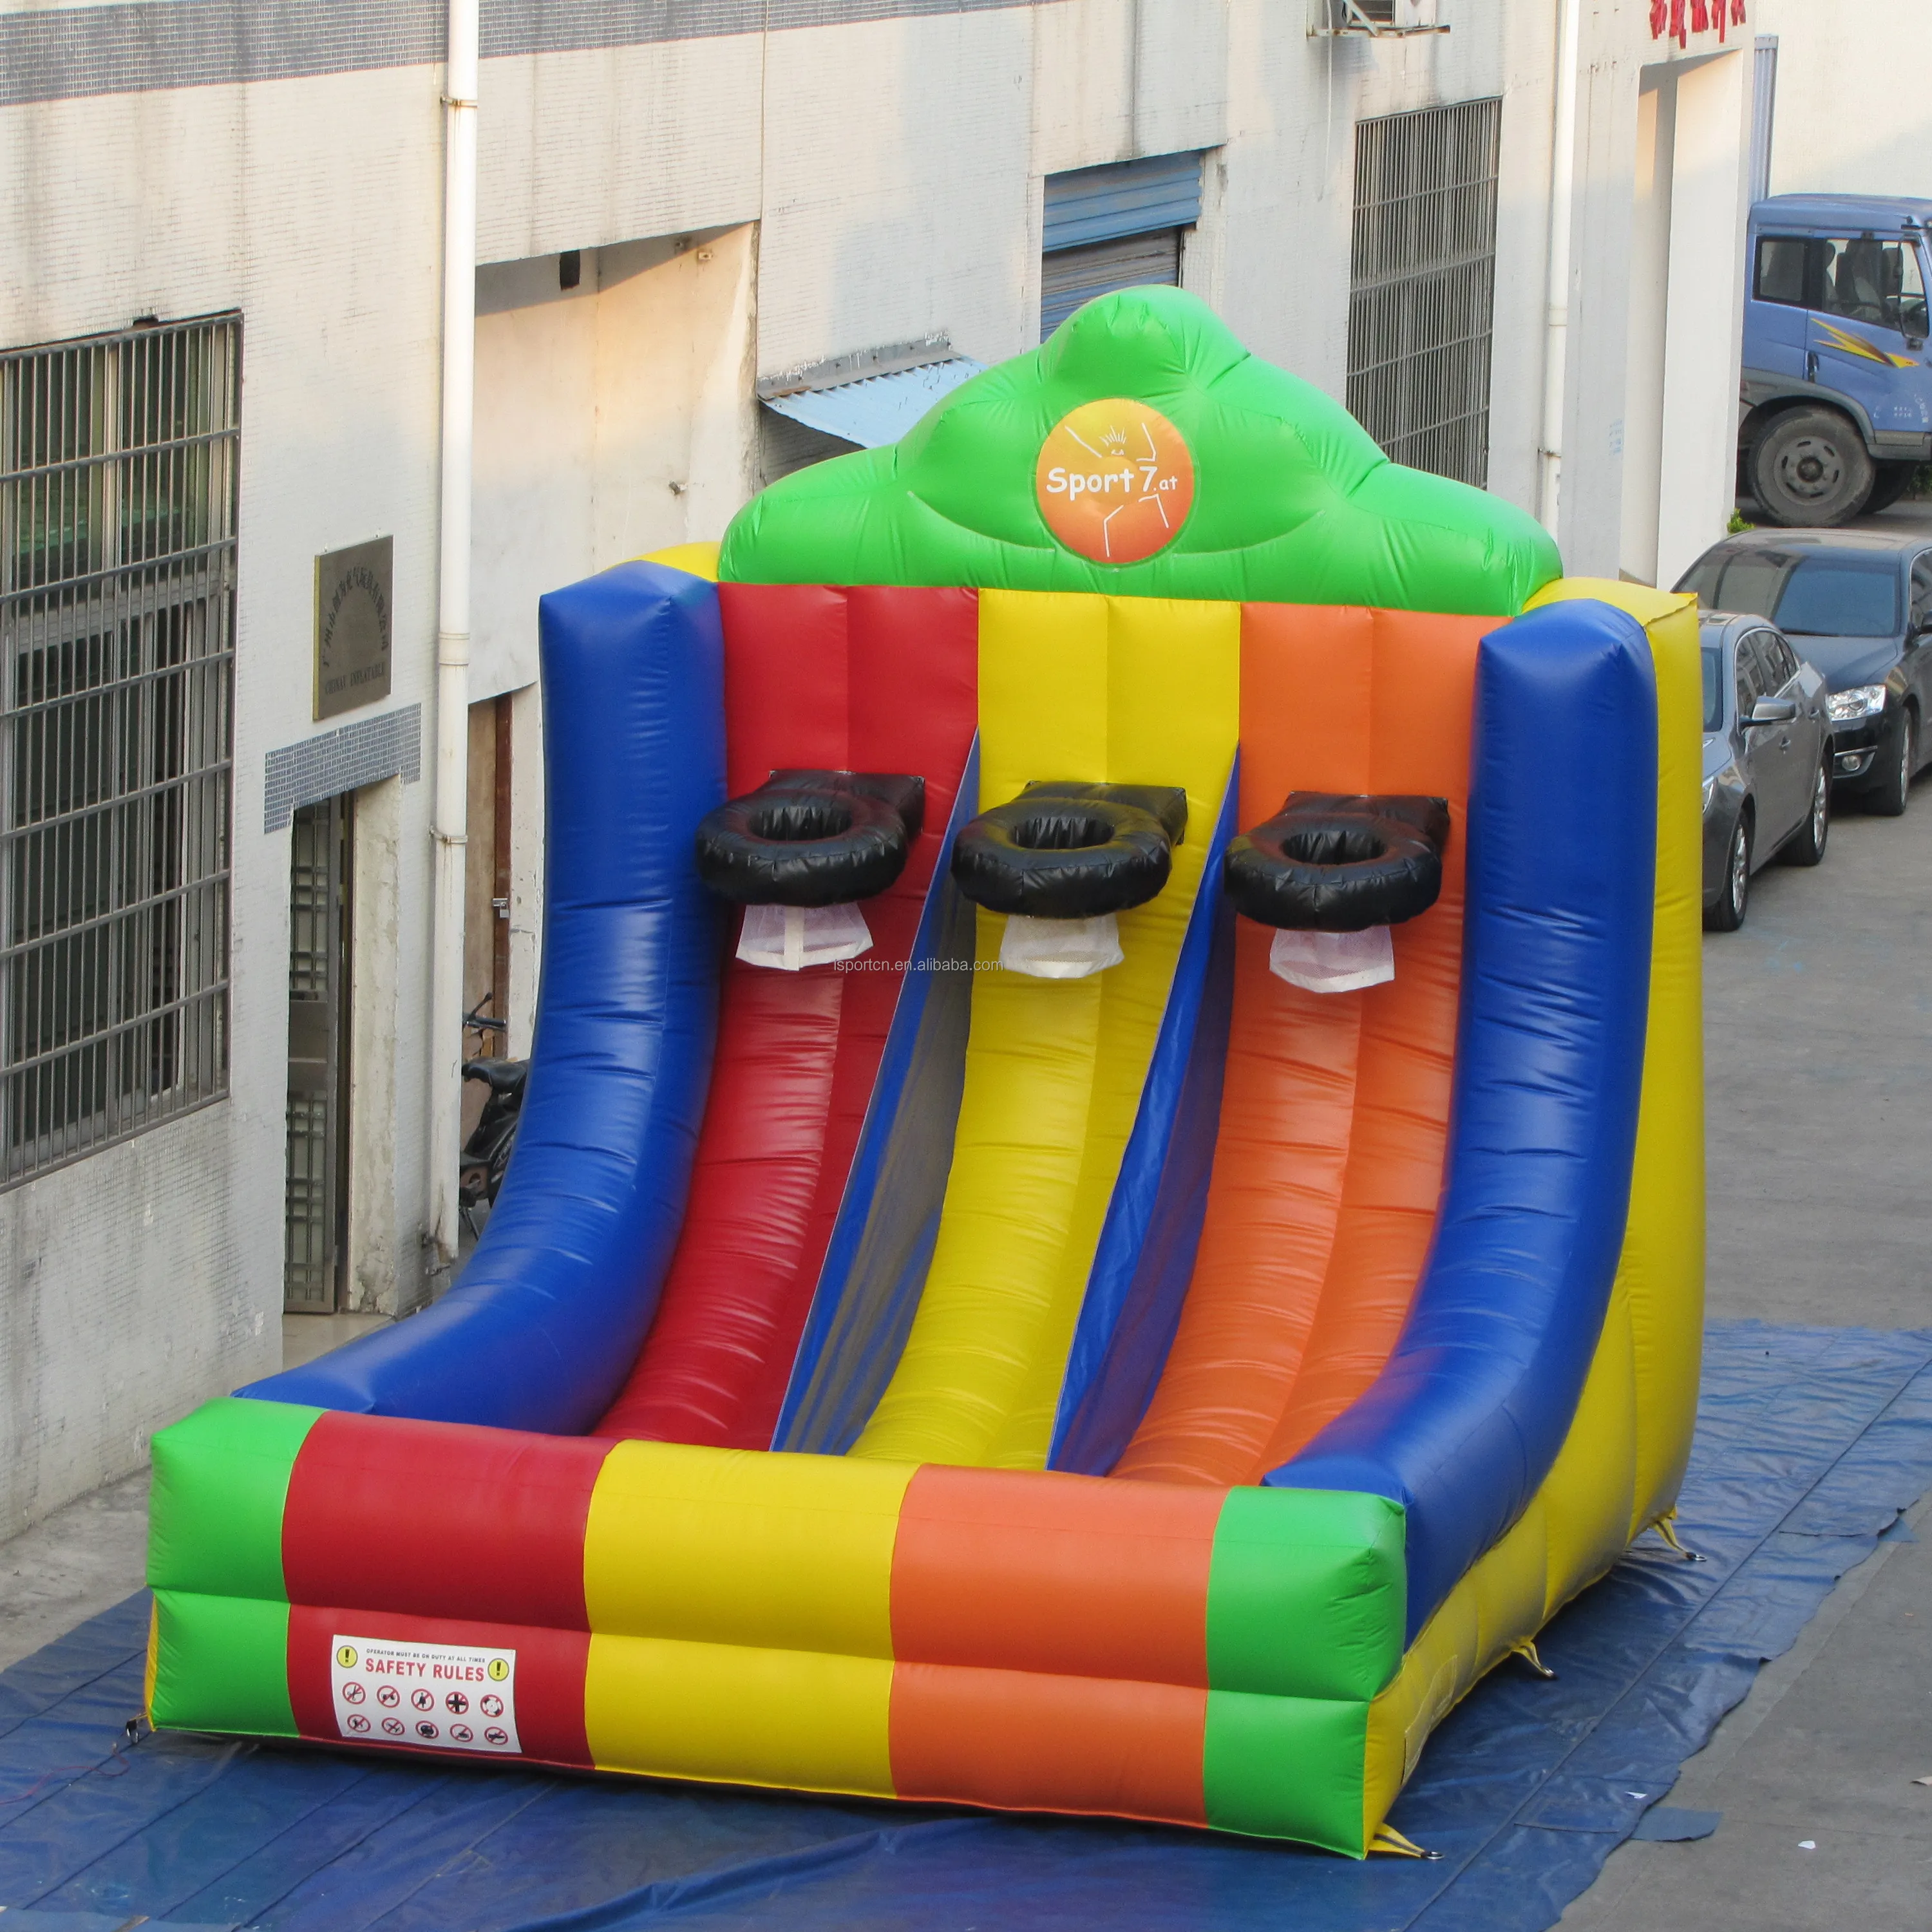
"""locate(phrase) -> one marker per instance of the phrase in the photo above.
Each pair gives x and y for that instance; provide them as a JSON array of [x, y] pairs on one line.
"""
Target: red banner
[[1679, 20]]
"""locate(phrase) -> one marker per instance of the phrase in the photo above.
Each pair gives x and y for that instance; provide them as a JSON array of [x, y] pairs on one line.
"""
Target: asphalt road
[[1818, 1064]]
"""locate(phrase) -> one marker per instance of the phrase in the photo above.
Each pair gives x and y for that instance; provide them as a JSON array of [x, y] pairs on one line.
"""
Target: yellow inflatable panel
[[811, 1720], [1662, 1271], [790, 1552], [697, 559], [1071, 686]]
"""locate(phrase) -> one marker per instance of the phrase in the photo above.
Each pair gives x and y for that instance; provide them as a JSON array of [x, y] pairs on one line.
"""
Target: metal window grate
[[118, 457], [318, 942], [1422, 285]]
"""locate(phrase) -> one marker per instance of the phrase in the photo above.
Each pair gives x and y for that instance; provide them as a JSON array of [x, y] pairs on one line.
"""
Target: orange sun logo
[[1115, 481]]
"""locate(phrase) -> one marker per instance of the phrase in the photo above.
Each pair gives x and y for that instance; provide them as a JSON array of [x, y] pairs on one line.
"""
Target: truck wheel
[[1808, 468], [1894, 480]]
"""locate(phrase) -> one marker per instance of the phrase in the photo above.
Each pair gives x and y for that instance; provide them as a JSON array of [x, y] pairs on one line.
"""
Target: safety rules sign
[[438, 1697]]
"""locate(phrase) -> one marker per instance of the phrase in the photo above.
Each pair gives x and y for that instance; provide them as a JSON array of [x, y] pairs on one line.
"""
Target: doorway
[[316, 1193], [486, 921], [1649, 314]]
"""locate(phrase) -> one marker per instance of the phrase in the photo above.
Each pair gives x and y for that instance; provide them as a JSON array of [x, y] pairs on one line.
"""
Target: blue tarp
[[1810, 1442]]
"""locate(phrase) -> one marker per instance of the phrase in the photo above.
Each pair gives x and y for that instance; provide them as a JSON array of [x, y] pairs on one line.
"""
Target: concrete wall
[[1852, 87], [612, 419], [1709, 196], [381, 1272]]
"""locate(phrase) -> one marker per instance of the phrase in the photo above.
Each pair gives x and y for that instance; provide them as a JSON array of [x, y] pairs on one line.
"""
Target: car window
[[1921, 592], [1749, 580], [1750, 676], [1809, 593], [1783, 659], [1844, 596], [1714, 687]]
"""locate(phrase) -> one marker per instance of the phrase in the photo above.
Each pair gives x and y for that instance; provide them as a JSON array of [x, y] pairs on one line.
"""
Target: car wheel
[[1809, 467], [1806, 846], [1897, 760], [1728, 914]]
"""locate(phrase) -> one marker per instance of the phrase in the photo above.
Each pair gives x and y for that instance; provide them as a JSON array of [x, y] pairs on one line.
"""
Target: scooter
[[486, 1153]]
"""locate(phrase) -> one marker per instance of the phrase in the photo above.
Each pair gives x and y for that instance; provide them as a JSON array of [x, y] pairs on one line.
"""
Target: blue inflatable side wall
[[1466, 1419], [554, 1305]]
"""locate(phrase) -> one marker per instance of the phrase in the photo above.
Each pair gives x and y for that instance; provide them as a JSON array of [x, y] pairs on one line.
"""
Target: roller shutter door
[[1115, 227], [1071, 276]]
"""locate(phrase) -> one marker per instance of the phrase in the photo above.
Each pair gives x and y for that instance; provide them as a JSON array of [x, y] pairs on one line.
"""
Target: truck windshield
[[1874, 281], [1817, 595], [1856, 276], [1714, 687]]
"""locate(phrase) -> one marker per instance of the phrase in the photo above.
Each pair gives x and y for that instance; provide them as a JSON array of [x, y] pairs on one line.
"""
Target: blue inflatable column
[[542, 1328]]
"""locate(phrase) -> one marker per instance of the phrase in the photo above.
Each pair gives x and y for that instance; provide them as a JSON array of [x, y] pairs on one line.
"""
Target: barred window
[[118, 459], [1422, 285]]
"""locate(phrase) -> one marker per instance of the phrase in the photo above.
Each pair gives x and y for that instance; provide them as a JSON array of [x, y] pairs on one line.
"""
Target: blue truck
[[1838, 373]]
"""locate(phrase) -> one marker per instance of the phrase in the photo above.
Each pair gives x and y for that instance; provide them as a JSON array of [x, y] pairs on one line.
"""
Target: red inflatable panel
[[878, 679], [438, 1518]]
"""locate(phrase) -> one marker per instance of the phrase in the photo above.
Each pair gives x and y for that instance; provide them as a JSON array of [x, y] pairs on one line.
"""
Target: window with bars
[[118, 462], [1422, 285]]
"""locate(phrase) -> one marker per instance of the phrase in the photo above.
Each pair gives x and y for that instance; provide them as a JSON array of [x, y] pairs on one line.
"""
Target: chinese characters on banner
[[1679, 20]]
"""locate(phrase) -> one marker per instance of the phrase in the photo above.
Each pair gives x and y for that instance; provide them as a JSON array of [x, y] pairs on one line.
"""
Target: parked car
[[1859, 603], [1838, 373], [1767, 752]]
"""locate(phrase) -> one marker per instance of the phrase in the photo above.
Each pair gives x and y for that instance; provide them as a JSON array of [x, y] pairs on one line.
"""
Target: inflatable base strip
[[1023, 1641]]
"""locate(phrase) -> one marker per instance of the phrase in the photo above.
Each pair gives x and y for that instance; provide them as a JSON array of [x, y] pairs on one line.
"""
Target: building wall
[[744, 202], [1709, 200], [612, 419], [1852, 116], [146, 1277]]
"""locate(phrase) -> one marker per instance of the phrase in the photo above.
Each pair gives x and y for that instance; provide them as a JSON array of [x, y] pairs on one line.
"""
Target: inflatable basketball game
[[1109, 1209]]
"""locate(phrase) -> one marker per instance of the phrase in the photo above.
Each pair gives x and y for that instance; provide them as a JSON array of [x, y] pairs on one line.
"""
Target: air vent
[[1377, 20]]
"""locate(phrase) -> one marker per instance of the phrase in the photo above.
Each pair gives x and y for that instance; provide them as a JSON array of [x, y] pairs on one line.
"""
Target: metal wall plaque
[[352, 611]]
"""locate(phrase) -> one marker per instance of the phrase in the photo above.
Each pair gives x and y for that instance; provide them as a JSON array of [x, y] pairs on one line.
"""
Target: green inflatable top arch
[[1294, 502]]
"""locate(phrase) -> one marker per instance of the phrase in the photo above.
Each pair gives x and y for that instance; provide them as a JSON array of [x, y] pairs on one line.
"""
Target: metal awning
[[871, 398]]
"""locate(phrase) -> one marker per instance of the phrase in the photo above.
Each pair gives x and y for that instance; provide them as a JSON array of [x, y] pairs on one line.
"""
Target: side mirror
[[1773, 711]]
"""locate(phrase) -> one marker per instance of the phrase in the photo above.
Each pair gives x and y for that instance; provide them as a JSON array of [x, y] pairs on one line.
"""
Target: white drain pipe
[[450, 824], [1556, 327]]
